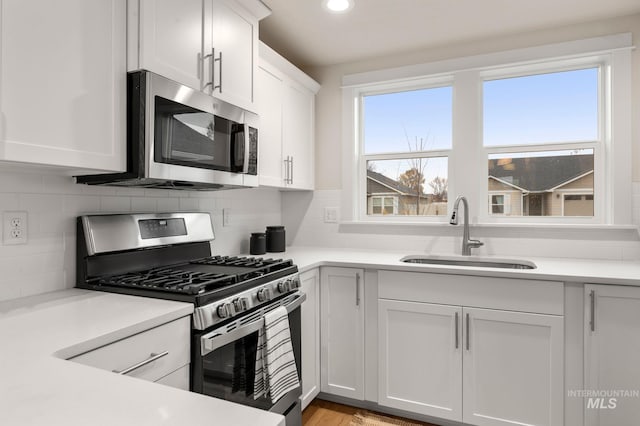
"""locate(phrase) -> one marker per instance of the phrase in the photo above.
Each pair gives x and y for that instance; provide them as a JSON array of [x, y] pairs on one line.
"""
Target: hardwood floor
[[325, 413]]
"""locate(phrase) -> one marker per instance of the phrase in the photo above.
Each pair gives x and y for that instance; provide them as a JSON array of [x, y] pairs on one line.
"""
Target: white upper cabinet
[[63, 83], [171, 37], [285, 98], [209, 45]]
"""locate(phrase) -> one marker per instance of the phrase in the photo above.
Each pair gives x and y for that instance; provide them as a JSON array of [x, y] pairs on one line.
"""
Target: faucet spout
[[467, 243]]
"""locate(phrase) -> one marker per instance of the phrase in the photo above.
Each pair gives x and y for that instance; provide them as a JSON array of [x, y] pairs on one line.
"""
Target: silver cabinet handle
[[592, 321], [457, 337], [286, 170], [211, 56], [468, 332], [357, 289], [291, 175], [153, 357], [219, 86]]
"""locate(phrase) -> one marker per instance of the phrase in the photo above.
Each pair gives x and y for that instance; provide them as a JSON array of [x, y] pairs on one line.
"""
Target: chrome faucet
[[467, 243]]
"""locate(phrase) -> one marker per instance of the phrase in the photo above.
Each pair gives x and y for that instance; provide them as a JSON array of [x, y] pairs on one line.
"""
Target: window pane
[[542, 183], [408, 187], [543, 108], [416, 120]]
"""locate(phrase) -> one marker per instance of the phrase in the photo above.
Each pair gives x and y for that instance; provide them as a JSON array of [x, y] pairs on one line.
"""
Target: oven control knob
[[240, 304], [224, 310], [264, 294], [295, 283], [284, 286]]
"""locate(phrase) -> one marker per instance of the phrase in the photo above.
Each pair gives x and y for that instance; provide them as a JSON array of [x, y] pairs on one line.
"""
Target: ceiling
[[307, 35]]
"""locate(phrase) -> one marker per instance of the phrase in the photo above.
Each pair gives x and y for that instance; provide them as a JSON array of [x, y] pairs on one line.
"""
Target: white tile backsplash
[[302, 215], [52, 202]]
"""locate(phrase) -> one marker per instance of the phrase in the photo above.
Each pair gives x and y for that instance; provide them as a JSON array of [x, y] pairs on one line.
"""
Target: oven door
[[225, 365]]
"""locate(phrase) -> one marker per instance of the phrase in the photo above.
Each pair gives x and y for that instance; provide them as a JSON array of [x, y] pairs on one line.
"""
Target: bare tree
[[417, 164], [439, 188]]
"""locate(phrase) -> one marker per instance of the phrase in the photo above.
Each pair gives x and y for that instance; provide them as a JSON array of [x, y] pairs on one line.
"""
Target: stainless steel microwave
[[180, 138]]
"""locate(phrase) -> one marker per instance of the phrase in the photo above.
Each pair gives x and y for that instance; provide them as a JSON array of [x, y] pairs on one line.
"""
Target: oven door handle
[[216, 339]]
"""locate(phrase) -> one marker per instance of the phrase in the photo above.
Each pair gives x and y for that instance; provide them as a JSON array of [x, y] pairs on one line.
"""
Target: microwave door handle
[[246, 139], [215, 339]]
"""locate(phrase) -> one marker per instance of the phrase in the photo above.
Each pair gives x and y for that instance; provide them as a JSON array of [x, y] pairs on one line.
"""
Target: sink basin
[[472, 262]]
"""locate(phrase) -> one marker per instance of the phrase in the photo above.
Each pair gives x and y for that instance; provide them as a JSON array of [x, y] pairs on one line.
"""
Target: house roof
[[394, 185], [537, 174]]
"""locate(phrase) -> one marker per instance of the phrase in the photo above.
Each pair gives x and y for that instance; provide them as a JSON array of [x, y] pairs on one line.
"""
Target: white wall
[[303, 217], [47, 262]]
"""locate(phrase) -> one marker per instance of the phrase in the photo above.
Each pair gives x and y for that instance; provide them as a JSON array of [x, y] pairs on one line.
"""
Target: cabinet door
[[269, 90], [342, 332], [63, 83], [420, 358], [513, 368], [612, 346], [234, 35], [298, 137], [310, 285], [171, 39]]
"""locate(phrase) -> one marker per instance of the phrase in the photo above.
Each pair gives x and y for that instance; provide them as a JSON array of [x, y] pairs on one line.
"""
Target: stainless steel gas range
[[168, 256]]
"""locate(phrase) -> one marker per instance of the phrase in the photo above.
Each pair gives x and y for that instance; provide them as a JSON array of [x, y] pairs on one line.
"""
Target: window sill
[[491, 230]]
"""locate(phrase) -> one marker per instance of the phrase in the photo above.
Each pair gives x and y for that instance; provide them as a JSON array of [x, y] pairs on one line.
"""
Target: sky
[[556, 107]]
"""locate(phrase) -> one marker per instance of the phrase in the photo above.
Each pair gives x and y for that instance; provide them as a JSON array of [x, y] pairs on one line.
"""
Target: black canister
[[258, 243], [275, 239]]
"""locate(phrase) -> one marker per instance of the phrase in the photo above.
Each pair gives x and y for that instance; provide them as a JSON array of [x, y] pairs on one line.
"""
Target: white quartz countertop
[[38, 386], [556, 269]]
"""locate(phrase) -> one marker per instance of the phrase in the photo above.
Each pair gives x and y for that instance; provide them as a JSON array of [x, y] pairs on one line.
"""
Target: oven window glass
[[189, 137], [229, 372]]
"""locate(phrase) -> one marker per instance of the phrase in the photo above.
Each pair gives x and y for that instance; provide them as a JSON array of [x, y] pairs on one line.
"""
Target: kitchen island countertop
[[40, 387]]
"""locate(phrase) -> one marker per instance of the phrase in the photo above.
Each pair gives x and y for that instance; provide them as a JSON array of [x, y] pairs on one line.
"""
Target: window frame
[[430, 82], [612, 185]]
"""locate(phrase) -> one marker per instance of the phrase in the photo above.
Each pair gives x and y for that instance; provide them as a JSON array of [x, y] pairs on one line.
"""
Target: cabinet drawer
[[172, 338], [544, 297]]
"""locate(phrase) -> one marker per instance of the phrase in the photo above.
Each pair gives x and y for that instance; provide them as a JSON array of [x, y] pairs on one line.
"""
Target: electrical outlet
[[330, 215], [14, 227]]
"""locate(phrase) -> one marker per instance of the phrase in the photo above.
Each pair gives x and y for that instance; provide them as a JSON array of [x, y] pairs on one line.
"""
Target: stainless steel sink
[[472, 262]]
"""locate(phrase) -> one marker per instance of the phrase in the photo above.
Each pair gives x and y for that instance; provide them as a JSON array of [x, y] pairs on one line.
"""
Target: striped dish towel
[[276, 372]]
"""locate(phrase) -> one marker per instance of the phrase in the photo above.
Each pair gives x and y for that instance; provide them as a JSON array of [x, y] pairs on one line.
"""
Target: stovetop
[[196, 277]]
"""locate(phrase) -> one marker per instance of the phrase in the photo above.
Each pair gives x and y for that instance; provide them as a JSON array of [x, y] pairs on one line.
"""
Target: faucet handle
[[475, 243]]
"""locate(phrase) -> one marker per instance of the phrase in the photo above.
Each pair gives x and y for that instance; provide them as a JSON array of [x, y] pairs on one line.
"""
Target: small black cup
[[258, 243]]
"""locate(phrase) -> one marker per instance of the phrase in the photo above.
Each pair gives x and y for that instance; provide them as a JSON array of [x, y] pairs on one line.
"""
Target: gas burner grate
[[250, 262], [171, 280]]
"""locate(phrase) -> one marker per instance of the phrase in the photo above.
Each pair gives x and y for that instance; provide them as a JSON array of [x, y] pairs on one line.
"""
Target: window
[[405, 133], [537, 135], [541, 111], [384, 205], [500, 204]]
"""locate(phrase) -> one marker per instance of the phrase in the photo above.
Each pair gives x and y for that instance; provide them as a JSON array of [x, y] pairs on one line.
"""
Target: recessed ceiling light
[[338, 6]]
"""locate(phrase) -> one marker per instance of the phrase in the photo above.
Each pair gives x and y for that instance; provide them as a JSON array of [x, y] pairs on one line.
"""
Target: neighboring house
[[541, 186], [387, 196]]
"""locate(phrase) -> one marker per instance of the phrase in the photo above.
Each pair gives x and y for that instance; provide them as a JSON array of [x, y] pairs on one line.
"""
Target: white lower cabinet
[[161, 354], [342, 332], [310, 318], [420, 368], [513, 368], [612, 350], [479, 366]]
